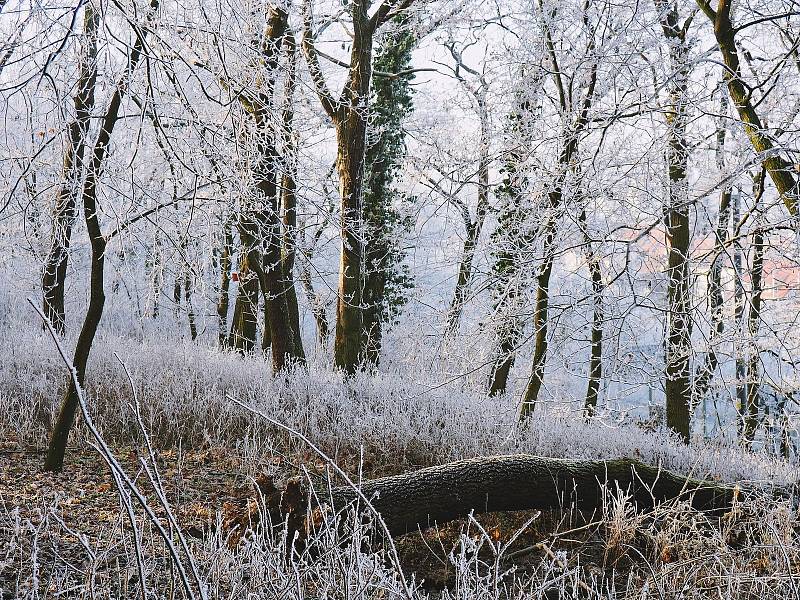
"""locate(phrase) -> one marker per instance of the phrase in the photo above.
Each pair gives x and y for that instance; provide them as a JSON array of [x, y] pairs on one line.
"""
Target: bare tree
[[349, 115], [65, 210], [676, 217], [54, 460]]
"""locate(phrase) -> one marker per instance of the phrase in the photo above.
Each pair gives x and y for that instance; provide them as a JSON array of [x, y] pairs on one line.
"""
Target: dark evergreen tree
[[387, 277]]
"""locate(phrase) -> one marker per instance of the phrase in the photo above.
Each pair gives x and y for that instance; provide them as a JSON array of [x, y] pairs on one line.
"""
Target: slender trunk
[[187, 294], [678, 347], [266, 334], [157, 275], [550, 230], [754, 319], [55, 268], [715, 299], [596, 351], [540, 322], [54, 461], [316, 304], [738, 309], [289, 202], [473, 227], [705, 373], [225, 264]]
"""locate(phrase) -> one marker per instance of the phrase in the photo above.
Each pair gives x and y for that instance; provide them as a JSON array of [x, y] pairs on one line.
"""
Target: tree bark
[[260, 223], [65, 211], [349, 115], [245, 310], [225, 264], [474, 227], [289, 201], [779, 169], [437, 495], [754, 319], [678, 388], [596, 344], [54, 461], [705, 373], [567, 153]]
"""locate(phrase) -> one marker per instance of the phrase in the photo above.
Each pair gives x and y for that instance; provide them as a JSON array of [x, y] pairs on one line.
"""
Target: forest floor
[[69, 535], [205, 487], [74, 516]]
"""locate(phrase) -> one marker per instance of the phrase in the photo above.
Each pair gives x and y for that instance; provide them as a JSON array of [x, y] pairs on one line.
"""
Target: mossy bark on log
[[436, 495]]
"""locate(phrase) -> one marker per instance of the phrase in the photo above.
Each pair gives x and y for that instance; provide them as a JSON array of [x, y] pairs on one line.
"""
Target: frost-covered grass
[[408, 417], [405, 416]]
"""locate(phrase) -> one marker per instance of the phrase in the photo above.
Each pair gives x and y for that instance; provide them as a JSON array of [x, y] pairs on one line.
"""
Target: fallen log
[[437, 495]]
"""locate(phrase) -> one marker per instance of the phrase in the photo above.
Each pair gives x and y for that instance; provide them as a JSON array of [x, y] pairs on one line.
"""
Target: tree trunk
[[349, 115], [437, 495], [55, 267], [678, 388], [187, 294], [738, 311], [541, 307], [705, 373], [596, 348], [373, 298], [350, 161], [260, 225], [245, 311], [473, 227], [225, 264], [316, 304], [289, 202], [754, 319], [54, 461], [509, 336], [780, 170], [555, 197]]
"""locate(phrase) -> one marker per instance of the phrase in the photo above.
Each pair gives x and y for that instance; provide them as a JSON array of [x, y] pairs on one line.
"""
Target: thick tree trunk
[[349, 317], [349, 115], [245, 312], [373, 298], [55, 267], [260, 225], [437, 495]]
